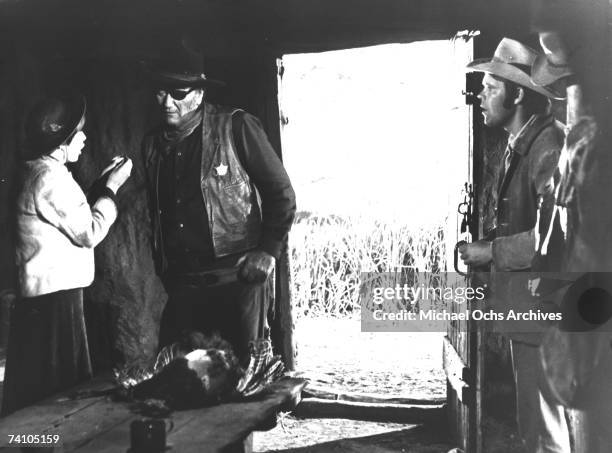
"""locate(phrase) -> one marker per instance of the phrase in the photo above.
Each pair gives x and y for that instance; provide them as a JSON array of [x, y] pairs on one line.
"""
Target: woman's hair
[[76, 130]]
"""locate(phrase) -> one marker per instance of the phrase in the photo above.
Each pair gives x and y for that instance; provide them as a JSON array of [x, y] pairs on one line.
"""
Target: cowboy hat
[[54, 120], [545, 72], [513, 61], [180, 67]]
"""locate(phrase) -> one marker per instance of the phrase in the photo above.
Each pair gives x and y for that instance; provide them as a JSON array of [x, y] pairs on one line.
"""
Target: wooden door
[[462, 351]]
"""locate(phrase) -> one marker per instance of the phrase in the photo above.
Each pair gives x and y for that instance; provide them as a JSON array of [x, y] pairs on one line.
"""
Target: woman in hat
[[56, 232]]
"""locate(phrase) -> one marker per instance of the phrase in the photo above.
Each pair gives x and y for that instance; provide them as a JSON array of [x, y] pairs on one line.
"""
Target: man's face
[[175, 103], [492, 102]]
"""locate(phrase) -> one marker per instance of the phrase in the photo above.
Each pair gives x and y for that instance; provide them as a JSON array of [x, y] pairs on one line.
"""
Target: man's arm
[[514, 252], [269, 176]]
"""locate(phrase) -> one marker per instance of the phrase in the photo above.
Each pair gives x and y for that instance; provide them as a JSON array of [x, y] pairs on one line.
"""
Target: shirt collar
[[513, 138], [57, 155]]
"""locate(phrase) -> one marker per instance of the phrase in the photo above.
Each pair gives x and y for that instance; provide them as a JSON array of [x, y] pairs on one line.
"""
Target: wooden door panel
[[462, 344]]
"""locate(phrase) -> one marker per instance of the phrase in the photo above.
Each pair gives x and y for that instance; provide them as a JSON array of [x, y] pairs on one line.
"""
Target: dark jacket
[[527, 182], [231, 199]]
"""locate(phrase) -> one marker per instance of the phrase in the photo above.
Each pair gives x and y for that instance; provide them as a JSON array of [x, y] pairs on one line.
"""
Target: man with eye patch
[[221, 207]]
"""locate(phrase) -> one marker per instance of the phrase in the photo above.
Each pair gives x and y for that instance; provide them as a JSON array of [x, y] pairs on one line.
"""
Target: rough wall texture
[[124, 304]]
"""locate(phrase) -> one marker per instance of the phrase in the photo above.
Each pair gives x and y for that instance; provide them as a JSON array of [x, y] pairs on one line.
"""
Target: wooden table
[[99, 424]]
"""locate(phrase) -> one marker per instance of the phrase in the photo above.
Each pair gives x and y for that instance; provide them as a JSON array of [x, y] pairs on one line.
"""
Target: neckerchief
[[189, 122]]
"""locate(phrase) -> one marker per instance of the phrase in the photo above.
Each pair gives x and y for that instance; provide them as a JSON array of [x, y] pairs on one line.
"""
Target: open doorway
[[376, 141]]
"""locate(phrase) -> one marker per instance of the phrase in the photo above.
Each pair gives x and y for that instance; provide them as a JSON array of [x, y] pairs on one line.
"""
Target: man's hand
[[477, 253], [255, 267]]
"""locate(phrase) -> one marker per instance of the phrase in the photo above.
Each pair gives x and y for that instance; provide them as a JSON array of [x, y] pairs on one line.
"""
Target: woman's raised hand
[[112, 165], [119, 173]]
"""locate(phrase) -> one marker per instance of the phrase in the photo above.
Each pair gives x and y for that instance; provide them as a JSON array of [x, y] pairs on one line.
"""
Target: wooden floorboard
[[335, 395], [92, 422], [46, 417], [230, 424], [388, 413], [119, 434]]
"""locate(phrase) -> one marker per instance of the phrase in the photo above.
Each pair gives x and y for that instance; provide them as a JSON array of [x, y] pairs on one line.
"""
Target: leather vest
[[231, 200]]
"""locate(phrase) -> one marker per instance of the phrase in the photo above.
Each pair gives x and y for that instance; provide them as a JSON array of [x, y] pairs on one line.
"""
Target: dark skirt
[[47, 348]]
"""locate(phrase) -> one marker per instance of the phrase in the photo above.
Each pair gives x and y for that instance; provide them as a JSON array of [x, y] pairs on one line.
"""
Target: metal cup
[[149, 435]]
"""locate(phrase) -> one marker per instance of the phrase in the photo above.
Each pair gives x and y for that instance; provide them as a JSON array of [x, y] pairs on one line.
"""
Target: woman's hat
[[52, 121], [180, 67], [513, 61]]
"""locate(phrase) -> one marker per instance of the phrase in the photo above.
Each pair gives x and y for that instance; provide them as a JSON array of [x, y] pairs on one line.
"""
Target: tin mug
[[149, 435]]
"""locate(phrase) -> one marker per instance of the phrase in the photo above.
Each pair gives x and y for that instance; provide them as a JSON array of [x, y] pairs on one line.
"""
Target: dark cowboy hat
[[52, 121], [513, 61], [180, 67]]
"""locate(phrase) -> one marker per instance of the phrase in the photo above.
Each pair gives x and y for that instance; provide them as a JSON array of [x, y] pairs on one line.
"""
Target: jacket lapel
[[507, 176], [521, 148]]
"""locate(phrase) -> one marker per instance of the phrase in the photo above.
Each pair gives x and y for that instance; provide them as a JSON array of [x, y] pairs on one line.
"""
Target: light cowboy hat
[[513, 61]]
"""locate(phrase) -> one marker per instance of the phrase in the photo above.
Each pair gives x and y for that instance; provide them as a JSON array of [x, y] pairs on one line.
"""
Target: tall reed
[[330, 253]]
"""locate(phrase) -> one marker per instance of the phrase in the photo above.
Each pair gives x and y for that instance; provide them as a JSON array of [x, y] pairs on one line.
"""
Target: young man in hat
[[510, 100], [221, 204]]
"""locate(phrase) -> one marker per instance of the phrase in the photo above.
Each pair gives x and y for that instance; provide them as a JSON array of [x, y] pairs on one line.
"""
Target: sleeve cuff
[[272, 247], [108, 193]]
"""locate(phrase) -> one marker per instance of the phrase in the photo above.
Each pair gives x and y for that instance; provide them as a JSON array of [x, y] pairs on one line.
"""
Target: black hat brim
[[180, 80]]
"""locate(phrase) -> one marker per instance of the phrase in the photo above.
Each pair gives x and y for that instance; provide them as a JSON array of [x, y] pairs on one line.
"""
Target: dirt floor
[[334, 353], [338, 435]]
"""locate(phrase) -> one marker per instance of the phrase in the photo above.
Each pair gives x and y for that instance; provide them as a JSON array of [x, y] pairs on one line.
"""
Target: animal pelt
[[203, 371]]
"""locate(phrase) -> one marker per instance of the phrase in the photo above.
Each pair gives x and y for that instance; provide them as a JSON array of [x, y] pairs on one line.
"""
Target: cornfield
[[330, 253]]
